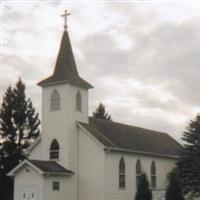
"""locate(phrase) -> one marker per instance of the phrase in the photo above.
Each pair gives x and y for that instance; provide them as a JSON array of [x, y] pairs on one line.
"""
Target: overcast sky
[[143, 58]]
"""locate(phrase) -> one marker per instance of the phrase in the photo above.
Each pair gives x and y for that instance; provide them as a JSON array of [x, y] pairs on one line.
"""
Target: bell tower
[[64, 101]]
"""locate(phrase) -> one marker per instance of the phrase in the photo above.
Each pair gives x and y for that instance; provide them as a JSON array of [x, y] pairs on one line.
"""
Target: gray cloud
[[144, 69], [174, 58], [166, 54], [169, 53]]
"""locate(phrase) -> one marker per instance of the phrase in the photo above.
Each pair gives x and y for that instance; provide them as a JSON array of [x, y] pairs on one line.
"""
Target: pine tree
[[174, 189], [19, 126], [101, 113], [143, 191], [189, 164]]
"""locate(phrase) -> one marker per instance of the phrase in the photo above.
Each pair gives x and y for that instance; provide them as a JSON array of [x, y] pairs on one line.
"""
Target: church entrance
[[29, 193]]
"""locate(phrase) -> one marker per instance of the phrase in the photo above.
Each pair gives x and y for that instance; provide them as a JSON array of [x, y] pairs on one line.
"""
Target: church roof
[[50, 167], [65, 69], [43, 167], [120, 137]]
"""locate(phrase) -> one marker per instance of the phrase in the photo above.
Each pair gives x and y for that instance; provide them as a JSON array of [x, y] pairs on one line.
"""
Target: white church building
[[79, 157]]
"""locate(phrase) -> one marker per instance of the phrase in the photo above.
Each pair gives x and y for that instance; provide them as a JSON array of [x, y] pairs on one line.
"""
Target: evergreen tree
[[174, 189], [143, 191], [189, 164], [19, 126], [101, 113]]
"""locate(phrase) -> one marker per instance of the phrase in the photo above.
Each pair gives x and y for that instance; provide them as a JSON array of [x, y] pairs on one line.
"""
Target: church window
[[78, 101], [55, 101], [138, 172], [122, 174], [54, 150], [55, 185], [153, 175]]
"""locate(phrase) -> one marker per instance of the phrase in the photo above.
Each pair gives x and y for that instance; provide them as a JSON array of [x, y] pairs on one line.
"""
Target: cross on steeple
[[65, 70], [65, 15]]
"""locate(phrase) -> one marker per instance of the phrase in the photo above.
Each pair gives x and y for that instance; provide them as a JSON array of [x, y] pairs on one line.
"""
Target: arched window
[[138, 172], [55, 100], [153, 174], [54, 150], [78, 101], [122, 174]]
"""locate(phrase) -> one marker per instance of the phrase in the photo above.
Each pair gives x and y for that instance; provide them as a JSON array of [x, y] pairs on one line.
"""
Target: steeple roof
[[65, 69]]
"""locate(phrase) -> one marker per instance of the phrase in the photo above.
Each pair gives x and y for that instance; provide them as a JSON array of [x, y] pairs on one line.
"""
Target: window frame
[[153, 175], [54, 152], [78, 101], [55, 101], [122, 174], [56, 186], [138, 172]]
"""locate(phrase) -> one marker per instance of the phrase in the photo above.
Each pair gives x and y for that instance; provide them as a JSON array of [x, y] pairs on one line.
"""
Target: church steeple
[[65, 64], [65, 69]]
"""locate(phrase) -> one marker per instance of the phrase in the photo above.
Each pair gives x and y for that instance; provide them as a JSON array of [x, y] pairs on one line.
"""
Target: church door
[[29, 193]]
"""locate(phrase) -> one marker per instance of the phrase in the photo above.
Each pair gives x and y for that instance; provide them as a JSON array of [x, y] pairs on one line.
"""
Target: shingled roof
[[43, 167], [65, 69], [50, 167], [121, 137]]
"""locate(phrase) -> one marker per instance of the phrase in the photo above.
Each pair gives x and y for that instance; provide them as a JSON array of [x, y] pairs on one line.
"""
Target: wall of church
[[112, 190], [28, 182], [36, 152], [91, 168], [99, 171], [61, 124], [65, 191]]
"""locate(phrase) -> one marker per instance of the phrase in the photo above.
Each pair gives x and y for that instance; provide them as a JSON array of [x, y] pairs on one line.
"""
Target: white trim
[[49, 149], [65, 82], [59, 173], [13, 172], [33, 145], [89, 134], [116, 149]]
